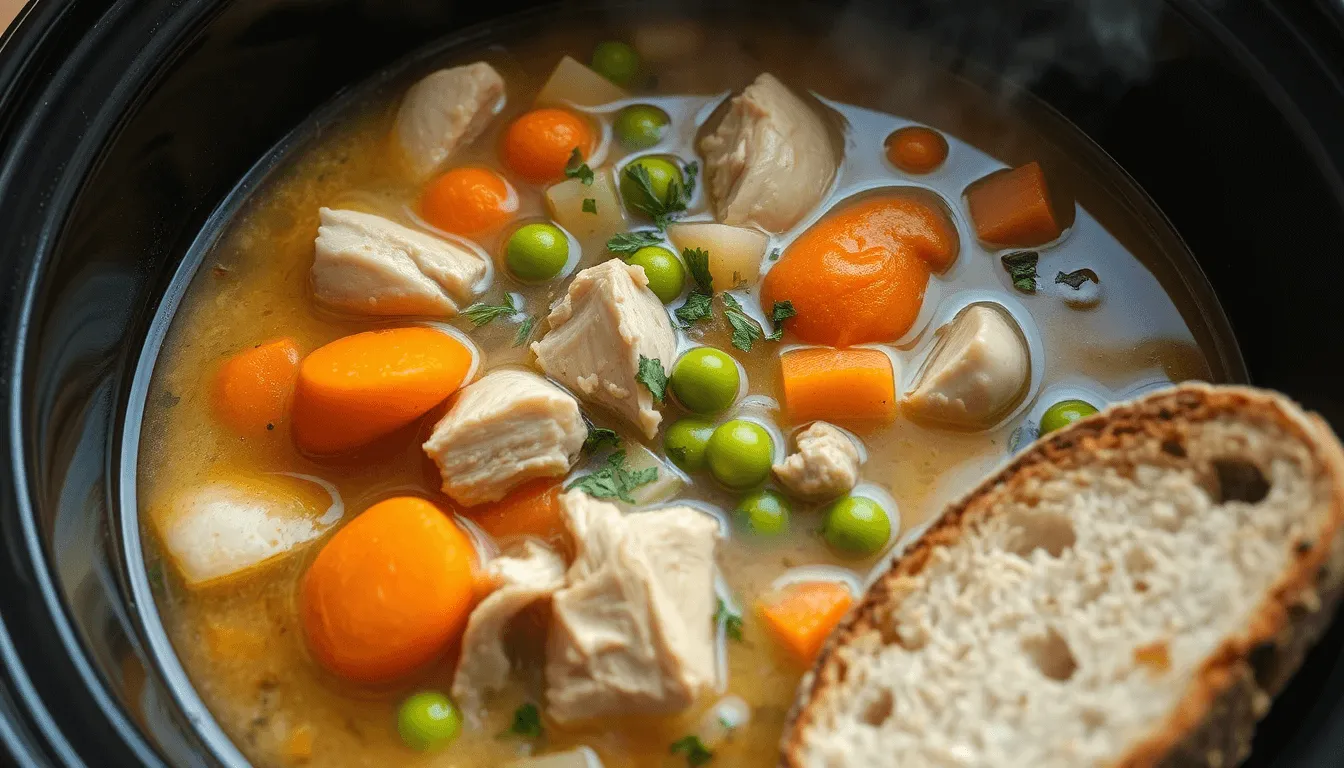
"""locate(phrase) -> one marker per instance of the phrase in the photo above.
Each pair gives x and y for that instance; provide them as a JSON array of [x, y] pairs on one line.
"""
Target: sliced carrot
[[531, 509], [362, 387], [1012, 208], [916, 149], [538, 145], [802, 615], [253, 388], [390, 592], [468, 201], [859, 274], [845, 385]]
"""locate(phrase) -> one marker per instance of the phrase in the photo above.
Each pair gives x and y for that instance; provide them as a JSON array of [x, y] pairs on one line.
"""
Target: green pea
[[640, 126], [1064, 413], [428, 720], [856, 526], [537, 252], [685, 443], [666, 275], [739, 454], [763, 513], [705, 380], [616, 61], [662, 172]]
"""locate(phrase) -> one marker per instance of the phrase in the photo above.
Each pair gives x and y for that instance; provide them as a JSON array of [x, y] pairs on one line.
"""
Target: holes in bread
[[878, 711], [1239, 480], [1034, 529], [1051, 654], [1175, 447]]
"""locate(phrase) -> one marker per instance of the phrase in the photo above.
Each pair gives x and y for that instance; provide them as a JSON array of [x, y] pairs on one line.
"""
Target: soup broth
[[242, 638]]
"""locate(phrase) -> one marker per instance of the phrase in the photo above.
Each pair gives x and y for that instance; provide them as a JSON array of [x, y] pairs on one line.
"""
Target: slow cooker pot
[[123, 125]]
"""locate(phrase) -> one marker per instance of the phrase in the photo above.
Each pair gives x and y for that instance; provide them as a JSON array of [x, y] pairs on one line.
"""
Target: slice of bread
[[1129, 591]]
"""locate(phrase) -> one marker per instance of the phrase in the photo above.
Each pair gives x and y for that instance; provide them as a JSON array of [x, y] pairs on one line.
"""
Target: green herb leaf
[[691, 169], [481, 313], [526, 723], [629, 242], [614, 481], [661, 210], [697, 754], [1021, 266], [1076, 278], [774, 254], [577, 169], [697, 261], [598, 437], [654, 376], [732, 622], [698, 306], [524, 331], [589, 205], [781, 311], [745, 330]]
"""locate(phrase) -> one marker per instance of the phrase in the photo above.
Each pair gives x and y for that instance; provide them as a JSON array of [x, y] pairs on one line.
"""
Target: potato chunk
[[565, 203], [735, 253], [574, 83]]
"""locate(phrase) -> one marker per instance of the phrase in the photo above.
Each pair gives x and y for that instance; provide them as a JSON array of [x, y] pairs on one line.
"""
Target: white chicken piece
[[519, 581], [825, 465], [445, 111], [979, 369], [770, 160], [368, 265], [508, 427], [632, 632], [607, 321]]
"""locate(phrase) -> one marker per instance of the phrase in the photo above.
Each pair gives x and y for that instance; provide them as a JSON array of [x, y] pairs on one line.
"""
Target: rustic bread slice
[[1129, 591]]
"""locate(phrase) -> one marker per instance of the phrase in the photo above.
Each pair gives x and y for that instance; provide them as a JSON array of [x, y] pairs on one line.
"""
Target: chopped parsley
[[781, 311], [524, 331], [614, 481], [481, 313], [577, 169], [598, 437], [1021, 266], [696, 308], [745, 330], [661, 210], [697, 261], [774, 254], [698, 304], [629, 242], [653, 376], [691, 169], [696, 752], [589, 205], [1076, 278], [526, 722], [732, 622]]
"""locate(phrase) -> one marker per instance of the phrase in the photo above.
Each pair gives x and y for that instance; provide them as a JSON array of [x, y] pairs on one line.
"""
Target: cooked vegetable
[[763, 513], [641, 126], [653, 376], [1021, 266], [526, 722], [666, 275], [730, 619], [859, 274], [916, 149], [568, 204], [746, 331], [362, 387], [616, 61], [468, 201], [698, 306], [841, 385], [524, 332], [696, 753], [1076, 278], [428, 720], [253, 388], [531, 509], [685, 442], [1064, 413], [576, 168], [538, 145], [536, 252], [1012, 208], [482, 313], [654, 187], [739, 454], [574, 83], [706, 380], [615, 480], [856, 526], [801, 616], [389, 592], [735, 253], [629, 242], [599, 437]]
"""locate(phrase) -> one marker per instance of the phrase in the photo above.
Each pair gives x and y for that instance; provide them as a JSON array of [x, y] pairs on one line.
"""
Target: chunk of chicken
[[599, 331], [534, 575], [770, 160], [632, 632], [503, 430], [978, 370], [368, 265], [446, 111], [825, 465]]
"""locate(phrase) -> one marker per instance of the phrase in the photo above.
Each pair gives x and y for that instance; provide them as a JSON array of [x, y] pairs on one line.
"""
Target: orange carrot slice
[[1012, 208], [845, 385], [253, 388], [362, 387], [531, 509], [538, 145], [468, 201], [803, 615], [916, 149]]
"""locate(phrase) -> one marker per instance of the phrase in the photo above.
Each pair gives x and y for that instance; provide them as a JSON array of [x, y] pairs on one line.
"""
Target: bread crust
[[1213, 723]]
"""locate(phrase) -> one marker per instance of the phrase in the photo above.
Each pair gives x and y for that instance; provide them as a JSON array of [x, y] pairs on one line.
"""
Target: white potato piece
[[574, 83], [223, 530], [668, 484], [735, 253], [583, 757], [565, 203], [978, 370]]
